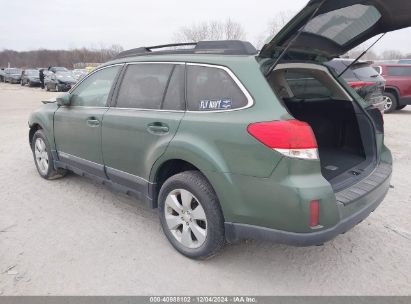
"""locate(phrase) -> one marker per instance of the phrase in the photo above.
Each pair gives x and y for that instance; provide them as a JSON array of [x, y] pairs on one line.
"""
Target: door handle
[[158, 128], [93, 122]]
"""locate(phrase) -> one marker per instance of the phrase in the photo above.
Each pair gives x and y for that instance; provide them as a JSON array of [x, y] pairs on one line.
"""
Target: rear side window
[[378, 69], [399, 71], [306, 86], [212, 89], [144, 86]]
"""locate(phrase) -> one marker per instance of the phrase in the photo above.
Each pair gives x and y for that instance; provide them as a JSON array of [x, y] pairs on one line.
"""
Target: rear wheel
[[43, 157], [390, 102], [191, 216]]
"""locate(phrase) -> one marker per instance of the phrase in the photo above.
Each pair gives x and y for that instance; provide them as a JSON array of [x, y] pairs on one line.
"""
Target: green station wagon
[[230, 143]]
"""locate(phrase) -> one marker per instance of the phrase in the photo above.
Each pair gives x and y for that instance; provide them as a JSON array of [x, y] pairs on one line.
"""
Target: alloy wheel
[[185, 218], [42, 157], [387, 103]]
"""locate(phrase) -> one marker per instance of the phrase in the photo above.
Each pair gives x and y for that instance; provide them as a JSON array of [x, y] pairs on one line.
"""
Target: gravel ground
[[74, 237]]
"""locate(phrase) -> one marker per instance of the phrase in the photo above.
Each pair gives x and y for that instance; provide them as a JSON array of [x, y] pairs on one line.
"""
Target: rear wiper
[[271, 69], [361, 55]]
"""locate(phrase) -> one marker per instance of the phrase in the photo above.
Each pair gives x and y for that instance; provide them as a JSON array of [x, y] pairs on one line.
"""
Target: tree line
[[212, 30], [64, 58]]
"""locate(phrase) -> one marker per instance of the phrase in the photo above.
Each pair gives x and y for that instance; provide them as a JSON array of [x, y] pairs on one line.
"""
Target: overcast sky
[[64, 24]]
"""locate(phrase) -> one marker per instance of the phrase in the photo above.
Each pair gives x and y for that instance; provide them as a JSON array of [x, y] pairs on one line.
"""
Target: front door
[[77, 127], [137, 131]]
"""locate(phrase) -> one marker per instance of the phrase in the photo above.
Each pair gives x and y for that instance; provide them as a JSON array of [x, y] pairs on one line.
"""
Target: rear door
[[137, 129], [77, 127]]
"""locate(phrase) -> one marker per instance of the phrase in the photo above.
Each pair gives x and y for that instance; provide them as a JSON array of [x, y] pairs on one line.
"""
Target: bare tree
[[66, 58], [274, 26], [370, 55], [392, 55], [213, 30]]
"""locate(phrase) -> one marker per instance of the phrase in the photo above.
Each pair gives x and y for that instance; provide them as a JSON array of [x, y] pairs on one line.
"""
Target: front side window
[[94, 90], [144, 86], [399, 71], [211, 89]]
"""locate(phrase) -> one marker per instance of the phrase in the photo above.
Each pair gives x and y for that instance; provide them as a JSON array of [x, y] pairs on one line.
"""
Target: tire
[[401, 107], [43, 158], [199, 224], [391, 102]]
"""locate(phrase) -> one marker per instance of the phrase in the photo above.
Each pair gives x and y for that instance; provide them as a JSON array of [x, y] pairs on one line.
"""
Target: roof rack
[[222, 47]]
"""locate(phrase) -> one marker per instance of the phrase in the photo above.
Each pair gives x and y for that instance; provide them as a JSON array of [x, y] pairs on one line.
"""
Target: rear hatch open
[[328, 29], [347, 132]]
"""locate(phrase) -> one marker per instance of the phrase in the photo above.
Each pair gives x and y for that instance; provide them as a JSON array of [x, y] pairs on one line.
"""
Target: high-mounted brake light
[[360, 84], [292, 138]]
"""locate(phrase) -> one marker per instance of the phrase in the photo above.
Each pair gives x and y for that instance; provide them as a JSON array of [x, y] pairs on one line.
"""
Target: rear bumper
[[354, 206]]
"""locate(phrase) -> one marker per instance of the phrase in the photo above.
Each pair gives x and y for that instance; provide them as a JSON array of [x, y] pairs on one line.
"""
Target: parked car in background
[[79, 73], [404, 61], [12, 75], [362, 77], [397, 92], [60, 81], [30, 77], [58, 69]]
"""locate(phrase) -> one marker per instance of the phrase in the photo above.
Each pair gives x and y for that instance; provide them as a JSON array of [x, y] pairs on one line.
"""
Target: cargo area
[[337, 132], [344, 134]]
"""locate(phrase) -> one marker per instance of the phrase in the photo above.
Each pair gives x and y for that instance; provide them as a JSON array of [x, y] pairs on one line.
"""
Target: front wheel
[[191, 216], [43, 157]]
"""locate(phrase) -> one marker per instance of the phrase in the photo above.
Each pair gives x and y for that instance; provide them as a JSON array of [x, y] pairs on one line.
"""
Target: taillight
[[292, 138], [314, 214], [361, 84]]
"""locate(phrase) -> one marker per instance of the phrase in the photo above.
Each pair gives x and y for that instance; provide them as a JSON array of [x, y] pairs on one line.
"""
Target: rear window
[[364, 71], [399, 71], [306, 86], [344, 24], [212, 89]]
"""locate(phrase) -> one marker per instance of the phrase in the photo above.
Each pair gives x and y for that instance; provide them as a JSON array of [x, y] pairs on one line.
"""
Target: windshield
[[59, 69], [64, 74], [14, 71], [32, 72]]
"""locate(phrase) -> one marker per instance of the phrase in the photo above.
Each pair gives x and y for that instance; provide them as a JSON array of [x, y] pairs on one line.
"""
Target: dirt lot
[[73, 236]]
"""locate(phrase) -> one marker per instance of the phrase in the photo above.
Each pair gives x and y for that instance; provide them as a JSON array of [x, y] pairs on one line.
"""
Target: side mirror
[[63, 100]]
